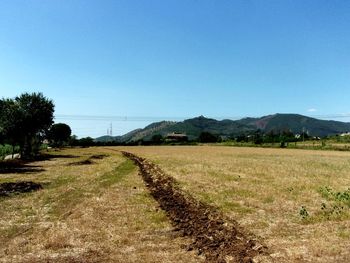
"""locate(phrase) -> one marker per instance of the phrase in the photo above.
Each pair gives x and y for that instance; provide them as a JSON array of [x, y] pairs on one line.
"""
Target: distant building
[[176, 137], [345, 134]]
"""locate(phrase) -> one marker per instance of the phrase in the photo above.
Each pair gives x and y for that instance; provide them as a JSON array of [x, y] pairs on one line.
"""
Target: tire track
[[218, 239]]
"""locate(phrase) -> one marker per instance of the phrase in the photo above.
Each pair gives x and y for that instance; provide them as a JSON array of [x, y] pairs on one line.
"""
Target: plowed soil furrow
[[217, 238]]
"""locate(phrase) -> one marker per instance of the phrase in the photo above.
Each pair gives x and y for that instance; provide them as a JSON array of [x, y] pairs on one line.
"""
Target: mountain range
[[193, 127]]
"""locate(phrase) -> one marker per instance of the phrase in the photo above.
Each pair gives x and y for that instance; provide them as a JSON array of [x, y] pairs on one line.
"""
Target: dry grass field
[[93, 208], [296, 201]]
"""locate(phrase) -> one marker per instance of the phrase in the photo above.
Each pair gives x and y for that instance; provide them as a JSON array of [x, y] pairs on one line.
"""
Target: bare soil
[[217, 238]]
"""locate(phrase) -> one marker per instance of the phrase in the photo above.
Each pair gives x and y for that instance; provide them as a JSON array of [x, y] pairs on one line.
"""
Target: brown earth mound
[[18, 187], [218, 239], [98, 156], [89, 160], [84, 162]]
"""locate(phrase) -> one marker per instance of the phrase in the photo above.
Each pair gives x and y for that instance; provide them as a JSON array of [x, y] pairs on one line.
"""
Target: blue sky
[[176, 59]]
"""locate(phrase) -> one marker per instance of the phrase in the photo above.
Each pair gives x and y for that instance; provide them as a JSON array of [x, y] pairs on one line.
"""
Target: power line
[[168, 118], [113, 118]]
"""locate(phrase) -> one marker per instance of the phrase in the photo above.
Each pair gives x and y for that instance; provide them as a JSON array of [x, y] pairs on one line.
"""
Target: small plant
[[290, 189], [325, 192], [303, 212], [343, 196], [339, 197], [338, 202], [332, 211]]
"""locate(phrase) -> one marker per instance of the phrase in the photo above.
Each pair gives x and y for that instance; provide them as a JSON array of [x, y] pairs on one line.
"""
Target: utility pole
[[111, 130]]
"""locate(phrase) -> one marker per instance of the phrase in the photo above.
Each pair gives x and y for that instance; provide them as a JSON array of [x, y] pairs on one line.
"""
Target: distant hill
[[107, 138], [276, 122], [124, 138], [297, 123]]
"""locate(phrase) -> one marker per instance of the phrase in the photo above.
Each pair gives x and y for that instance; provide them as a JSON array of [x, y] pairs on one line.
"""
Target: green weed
[[336, 196], [303, 212]]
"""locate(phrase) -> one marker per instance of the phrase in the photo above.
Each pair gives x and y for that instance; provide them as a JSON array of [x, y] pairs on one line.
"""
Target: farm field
[[93, 208], [296, 201]]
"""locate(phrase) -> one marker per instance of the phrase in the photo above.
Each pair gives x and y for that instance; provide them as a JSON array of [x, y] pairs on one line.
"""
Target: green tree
[[157, 139], [24, 120], [59, 134], [10, 123], [207, 137], [86, 142], [73, 140], [258, 137]]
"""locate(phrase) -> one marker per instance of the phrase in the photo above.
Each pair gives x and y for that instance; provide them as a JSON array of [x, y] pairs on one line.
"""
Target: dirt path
[[219, 239]]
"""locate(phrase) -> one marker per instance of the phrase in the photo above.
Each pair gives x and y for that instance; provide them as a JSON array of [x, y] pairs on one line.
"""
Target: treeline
[[26, 121], [273, 136], [258, 137]]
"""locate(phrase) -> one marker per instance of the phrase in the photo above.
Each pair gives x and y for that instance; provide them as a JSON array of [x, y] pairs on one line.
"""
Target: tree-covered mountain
[[297, 124], [194, 127]]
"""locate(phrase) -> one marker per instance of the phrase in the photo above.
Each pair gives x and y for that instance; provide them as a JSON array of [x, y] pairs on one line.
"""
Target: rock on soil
[[15, 156]]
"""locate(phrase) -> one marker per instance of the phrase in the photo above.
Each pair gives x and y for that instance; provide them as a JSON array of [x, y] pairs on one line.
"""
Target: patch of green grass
[[61, 181], [117, 175], [229, 206]]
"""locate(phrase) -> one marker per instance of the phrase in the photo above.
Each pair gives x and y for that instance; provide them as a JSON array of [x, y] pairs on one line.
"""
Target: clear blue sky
[[169, 59]]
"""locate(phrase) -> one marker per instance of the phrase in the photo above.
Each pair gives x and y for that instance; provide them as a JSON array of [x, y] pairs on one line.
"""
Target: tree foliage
[[86, 142], [208, 137], [157, 139], [24, 120], [59, 134]]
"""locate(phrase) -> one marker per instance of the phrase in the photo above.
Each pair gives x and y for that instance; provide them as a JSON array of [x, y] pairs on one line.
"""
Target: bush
[[59, 134], [157, 139], [7, 150], [208, 137]]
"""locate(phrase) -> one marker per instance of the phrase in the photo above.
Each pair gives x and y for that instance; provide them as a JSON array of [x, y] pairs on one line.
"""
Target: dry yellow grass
[[265, 189], [87, 213]]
